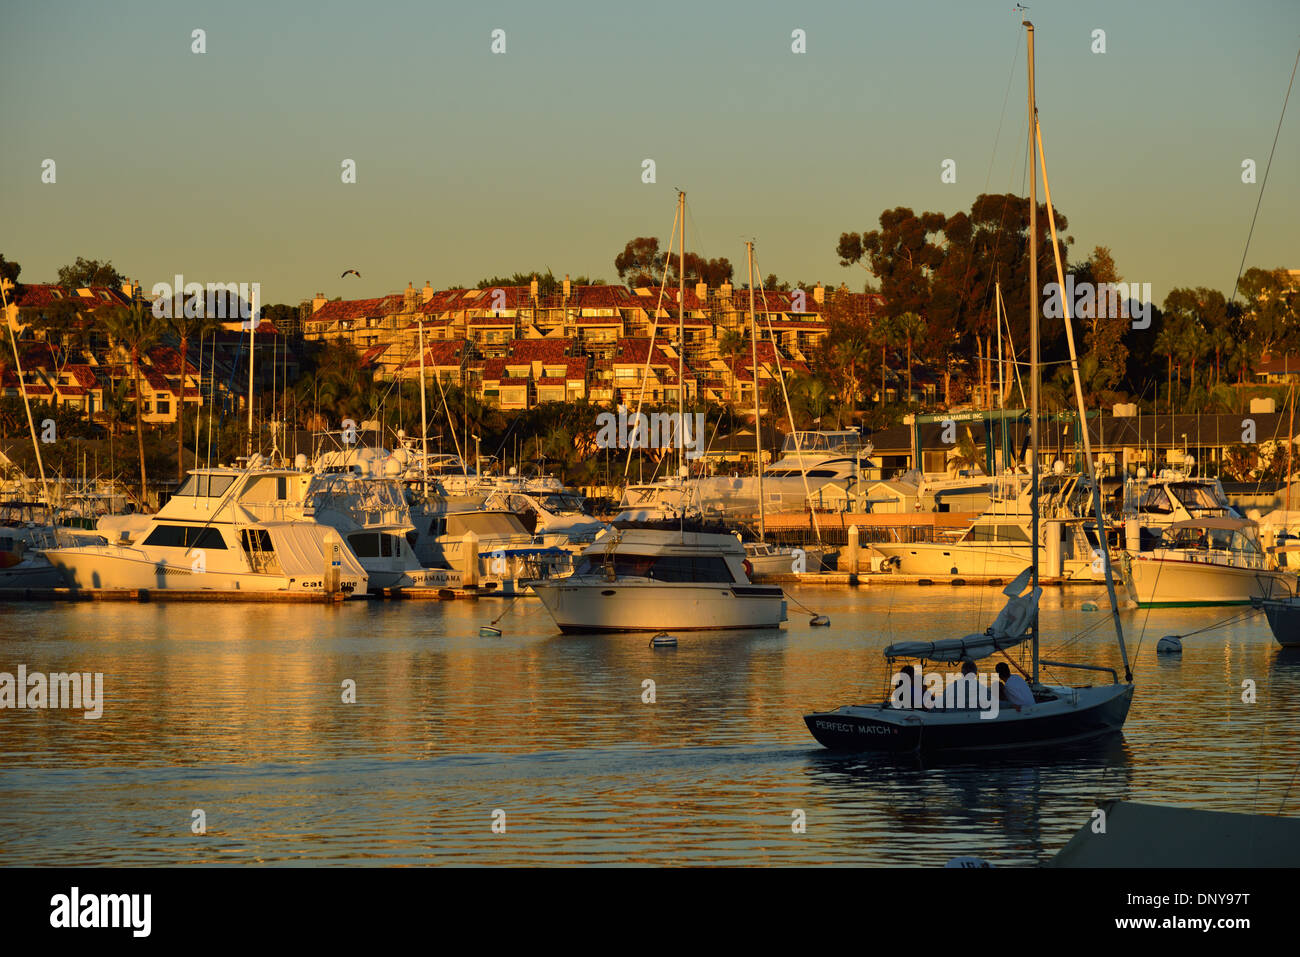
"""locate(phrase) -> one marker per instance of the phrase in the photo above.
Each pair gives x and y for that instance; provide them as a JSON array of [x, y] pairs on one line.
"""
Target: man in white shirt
[[1015, 690]]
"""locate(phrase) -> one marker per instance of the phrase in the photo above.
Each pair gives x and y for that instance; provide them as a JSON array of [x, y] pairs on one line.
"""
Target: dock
[[169, 595]]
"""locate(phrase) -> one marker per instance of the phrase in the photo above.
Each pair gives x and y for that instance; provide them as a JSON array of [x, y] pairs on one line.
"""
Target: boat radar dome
[[393, 468], [1142, 473], [1058, 467], [513, 471], [255, 460], [300, 462], [401, 433]]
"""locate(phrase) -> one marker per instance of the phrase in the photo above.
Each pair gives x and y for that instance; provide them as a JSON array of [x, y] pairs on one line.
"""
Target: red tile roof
[[357, 309], [538, 350]]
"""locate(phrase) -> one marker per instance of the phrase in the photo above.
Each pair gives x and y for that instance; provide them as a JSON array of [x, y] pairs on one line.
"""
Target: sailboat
[[1057, 714]]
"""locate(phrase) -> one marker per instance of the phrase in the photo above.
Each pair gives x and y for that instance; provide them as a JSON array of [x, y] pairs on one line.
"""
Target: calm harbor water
[[237, 710]]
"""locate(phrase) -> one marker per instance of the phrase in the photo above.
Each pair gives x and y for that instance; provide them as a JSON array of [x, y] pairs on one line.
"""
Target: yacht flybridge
[[654, 576], [244, 530]]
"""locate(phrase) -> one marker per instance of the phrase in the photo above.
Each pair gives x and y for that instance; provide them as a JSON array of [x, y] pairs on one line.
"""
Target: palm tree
[[850, 353], [886, 334], [909, 325], [732, 346], [135, 329]]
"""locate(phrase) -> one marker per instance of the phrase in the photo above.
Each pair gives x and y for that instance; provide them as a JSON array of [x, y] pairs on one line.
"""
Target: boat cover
[[972, 647], [1150, 835], [302, 548]]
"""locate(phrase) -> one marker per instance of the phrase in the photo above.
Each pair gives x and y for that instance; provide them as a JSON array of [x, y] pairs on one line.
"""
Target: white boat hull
[[930, 558], [1155, 581], [592, 605], [109, 567]]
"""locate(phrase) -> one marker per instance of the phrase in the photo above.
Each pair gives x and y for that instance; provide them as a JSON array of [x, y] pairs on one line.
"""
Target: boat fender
[[749, 569]]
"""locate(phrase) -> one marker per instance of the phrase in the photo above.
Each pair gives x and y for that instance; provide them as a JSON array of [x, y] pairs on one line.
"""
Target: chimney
[[409, 297], [725, 290], [317, 301], [532, 289], [567, 286], [701, 291], [128, 289], [427, 292], [819, 294]]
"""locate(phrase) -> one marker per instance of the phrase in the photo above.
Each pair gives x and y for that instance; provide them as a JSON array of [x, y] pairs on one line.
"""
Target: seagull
[[353, 272]]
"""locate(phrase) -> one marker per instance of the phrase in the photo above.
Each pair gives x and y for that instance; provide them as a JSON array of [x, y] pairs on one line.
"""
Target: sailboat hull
[[1078, 714]]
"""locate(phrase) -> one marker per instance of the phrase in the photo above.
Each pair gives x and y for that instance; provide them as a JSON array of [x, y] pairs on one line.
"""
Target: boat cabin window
[[206, 486], [664, 568], [185, 536], [998, 533], [1198, 498], [1156, 500]]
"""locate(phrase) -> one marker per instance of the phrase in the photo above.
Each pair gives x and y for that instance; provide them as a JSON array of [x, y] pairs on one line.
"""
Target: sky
[[226, 166]]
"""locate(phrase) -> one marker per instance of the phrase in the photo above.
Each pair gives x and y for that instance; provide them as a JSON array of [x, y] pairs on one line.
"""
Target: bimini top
[[1226, 524]]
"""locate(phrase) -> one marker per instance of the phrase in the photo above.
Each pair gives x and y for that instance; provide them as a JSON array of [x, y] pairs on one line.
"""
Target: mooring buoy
[[663, 640], [1170, 645]]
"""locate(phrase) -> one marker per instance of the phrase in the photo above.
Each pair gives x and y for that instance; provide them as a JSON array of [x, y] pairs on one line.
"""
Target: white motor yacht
[[655, 576], [225, 529]]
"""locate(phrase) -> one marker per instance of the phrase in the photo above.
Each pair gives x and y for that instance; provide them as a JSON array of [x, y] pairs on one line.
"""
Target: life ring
[[749, 569]]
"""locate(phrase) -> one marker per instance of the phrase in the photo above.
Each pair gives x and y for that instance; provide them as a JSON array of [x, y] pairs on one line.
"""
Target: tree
[[910, 327], [90, 272], [135, 329], [10, 270], [1103, 336], [640, 262], [732, 346]]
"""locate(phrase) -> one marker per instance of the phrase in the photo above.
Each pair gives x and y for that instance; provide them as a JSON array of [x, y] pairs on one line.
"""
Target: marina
[[775, 469]]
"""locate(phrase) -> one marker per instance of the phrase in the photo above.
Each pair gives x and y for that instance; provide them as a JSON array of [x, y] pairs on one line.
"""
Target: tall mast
[[1033, 340], [997, 306], [252, 328], [681, 352], [424, 421], [758, 422], [681, 334]]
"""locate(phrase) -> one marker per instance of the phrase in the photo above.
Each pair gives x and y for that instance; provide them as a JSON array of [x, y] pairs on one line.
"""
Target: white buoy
[[663, 640], [1170, 645]]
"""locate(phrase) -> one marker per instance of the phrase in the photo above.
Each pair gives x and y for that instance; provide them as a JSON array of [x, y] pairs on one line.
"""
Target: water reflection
[[239, 710]]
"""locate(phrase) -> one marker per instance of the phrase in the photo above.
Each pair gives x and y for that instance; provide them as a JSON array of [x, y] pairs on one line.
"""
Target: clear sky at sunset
[[226, 166]]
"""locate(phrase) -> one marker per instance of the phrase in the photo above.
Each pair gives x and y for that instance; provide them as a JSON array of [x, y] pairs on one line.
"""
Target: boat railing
[[1074, 664]]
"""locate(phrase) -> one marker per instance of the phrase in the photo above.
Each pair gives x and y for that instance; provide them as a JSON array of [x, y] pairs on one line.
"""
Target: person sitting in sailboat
[[964, 692], [1015, 690]]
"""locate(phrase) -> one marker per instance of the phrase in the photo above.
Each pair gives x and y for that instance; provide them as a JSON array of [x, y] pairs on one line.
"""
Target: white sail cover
[[1009, 629]]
